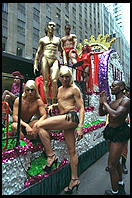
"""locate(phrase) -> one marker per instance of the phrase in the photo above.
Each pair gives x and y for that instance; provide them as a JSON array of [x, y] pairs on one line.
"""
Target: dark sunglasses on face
[[66, 76], [30, 90]]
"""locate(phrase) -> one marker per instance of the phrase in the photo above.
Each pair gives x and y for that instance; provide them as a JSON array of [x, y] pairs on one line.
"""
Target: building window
[[58, 30], [80, 7], [20, 50], [36, 19], [37, 6], [34, 52], [35, 37], [58, 18], [21, 11], [48, 10], [67, 8], [74, 28], [58, 5], [4, 43], [20, 31], [4, 7], [48, 19], [66, 19], [74, 13], [4, 24]]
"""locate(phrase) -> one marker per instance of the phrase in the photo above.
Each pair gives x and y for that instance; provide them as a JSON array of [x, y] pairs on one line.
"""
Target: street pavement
[[95, 180]]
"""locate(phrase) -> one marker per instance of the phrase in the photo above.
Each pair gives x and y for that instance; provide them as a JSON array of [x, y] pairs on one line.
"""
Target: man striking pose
[[47, 52], [68, 44], [69, 97], [32, 111], [116, 133]]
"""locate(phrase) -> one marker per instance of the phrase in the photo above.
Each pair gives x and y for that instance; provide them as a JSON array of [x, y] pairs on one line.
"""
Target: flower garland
[[34, 179], [22, 149], [86, 129], [26, 145]]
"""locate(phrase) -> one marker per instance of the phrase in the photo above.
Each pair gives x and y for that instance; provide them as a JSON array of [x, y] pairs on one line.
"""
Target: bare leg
[[45, 73], [14, 130], [70, 141], [114, 164], [52, 123], [65, 58], [54, 76], [45, 138], [56, 123]]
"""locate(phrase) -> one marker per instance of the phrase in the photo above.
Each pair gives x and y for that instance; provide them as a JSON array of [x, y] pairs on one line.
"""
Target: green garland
[[36, 166], [12, 143]]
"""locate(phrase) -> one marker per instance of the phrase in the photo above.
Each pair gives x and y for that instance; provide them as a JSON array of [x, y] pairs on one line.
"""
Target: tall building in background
[[116, 9], [23, 25]]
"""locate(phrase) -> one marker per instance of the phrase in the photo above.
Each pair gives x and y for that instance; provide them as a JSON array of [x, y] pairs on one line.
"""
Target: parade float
[[22, 163]]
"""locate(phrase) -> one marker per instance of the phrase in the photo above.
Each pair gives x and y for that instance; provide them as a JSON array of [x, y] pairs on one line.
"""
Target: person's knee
[[42, 132], [7, 97], [6, 92], [14, 126], [71, 151], [54, 81], [112, 166], [45, 82]]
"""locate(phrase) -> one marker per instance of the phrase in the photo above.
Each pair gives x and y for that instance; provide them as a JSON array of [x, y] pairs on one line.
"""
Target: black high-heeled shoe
[[48, 168], [70, 190]]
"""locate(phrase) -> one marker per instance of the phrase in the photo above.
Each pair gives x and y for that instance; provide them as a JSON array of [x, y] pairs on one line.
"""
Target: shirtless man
[[32, 111], [68, 98], [116, 133], [47, 52], [68, 44]]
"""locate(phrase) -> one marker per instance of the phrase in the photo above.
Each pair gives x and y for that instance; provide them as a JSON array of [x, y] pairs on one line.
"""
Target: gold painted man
[[68, 44], [48, 52]]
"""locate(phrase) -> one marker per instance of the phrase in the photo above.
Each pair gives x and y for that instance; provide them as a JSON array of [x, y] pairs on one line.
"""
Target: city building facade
[[23, 25]]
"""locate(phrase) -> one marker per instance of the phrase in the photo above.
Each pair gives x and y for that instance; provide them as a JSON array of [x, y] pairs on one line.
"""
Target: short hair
[[88, 48], [67, 25], [122, 83]]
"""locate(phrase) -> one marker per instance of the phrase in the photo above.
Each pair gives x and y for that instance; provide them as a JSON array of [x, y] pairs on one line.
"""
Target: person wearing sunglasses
[[32, 111], [69, 97], [47, 55]]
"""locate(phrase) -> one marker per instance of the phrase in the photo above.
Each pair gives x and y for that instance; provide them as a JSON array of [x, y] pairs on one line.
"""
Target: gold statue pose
[[47, 52]]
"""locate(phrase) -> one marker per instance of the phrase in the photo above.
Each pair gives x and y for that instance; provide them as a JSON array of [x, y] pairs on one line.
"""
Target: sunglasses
[[30, 90], [66, 76]]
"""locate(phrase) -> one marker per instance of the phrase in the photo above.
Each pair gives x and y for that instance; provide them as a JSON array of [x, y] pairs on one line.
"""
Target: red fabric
[[87, 63], [96, 63], [39, 84], [67, 50], [17, 73]]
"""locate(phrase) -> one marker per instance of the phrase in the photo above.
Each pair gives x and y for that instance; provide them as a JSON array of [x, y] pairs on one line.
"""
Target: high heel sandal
[[48, 168], [70, 190]]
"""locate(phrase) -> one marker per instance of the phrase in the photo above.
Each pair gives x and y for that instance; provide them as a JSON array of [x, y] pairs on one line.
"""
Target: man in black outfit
[[116, 133]]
